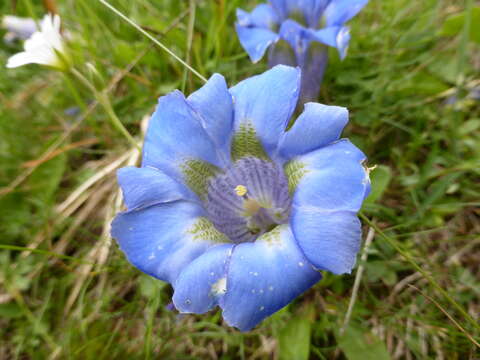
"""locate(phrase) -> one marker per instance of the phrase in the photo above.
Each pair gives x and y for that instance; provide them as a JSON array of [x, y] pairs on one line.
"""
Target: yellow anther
[[241, 190]]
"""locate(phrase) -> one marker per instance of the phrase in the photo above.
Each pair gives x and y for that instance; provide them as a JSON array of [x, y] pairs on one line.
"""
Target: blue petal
[[297, 36], [267, 102], [332, 178], [313, 10], [343, 39], [300, 39], [280, 6], [311, 56], [263, 277], [255, 40], [317, 126], [338, 12], [262, 16], [203, 282], [329, 240], [327, 36], [308, 11], [213, 103], [143, 187], [174, 135], [162, 239]]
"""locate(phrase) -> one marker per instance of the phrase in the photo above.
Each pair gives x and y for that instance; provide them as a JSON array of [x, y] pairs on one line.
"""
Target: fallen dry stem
[[93, 180], [56, 144], [358, 278]]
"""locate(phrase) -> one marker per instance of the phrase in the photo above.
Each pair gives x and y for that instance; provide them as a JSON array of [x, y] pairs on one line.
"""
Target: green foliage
[[455, 23], [44, 181], [294, 339], [358, 344], [380, 178]]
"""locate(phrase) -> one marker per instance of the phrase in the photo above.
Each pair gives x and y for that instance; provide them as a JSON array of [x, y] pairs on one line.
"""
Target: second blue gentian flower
[[298, 33]]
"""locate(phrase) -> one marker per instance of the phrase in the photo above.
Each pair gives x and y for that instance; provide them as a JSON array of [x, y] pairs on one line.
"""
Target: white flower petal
[[19, 59], [42, 46]]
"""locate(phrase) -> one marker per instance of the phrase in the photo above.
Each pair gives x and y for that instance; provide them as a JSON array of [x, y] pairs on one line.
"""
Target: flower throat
[[248, 199]]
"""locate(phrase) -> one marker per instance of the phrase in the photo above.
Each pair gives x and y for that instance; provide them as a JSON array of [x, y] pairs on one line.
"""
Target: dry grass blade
[[111, 86], [93, 180], [99, 252], [56, 144], [74, 145], [460, 327], [358, 278], [406, 255]]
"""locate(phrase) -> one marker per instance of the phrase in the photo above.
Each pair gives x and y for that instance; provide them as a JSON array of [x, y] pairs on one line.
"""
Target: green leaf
[[422, 83], [150, 287], [380, 178], [454, 25], [469, 127], [360, 345], [379, 269], [10, 311], [294, 339], [14, 216]]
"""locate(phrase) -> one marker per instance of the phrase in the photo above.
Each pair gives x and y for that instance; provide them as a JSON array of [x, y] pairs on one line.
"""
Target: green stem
[[104, 100], [43, 252], [32, 318], [417, 267], [191, 26], [75, 93]]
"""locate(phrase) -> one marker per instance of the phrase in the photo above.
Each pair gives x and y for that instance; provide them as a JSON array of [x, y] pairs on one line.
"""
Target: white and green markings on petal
[[203, 229], [272, 238], [245, 143], [294, 171], [197, 174]]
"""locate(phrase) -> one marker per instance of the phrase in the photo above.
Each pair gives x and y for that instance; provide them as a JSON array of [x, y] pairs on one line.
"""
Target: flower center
[[249, 199]]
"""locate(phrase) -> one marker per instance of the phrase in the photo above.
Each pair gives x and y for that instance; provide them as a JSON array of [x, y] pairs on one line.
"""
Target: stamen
[[251, 207], [241, 190]]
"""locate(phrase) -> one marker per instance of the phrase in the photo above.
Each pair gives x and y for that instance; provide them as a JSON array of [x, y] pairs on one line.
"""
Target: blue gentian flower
[[298, 33], [234, 210]]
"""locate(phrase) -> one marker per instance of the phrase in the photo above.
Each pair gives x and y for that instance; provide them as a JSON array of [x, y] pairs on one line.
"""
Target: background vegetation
[[411, 82]]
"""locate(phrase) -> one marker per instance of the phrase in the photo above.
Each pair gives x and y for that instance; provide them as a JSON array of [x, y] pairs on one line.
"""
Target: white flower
[[18, 27], [44, 47]]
